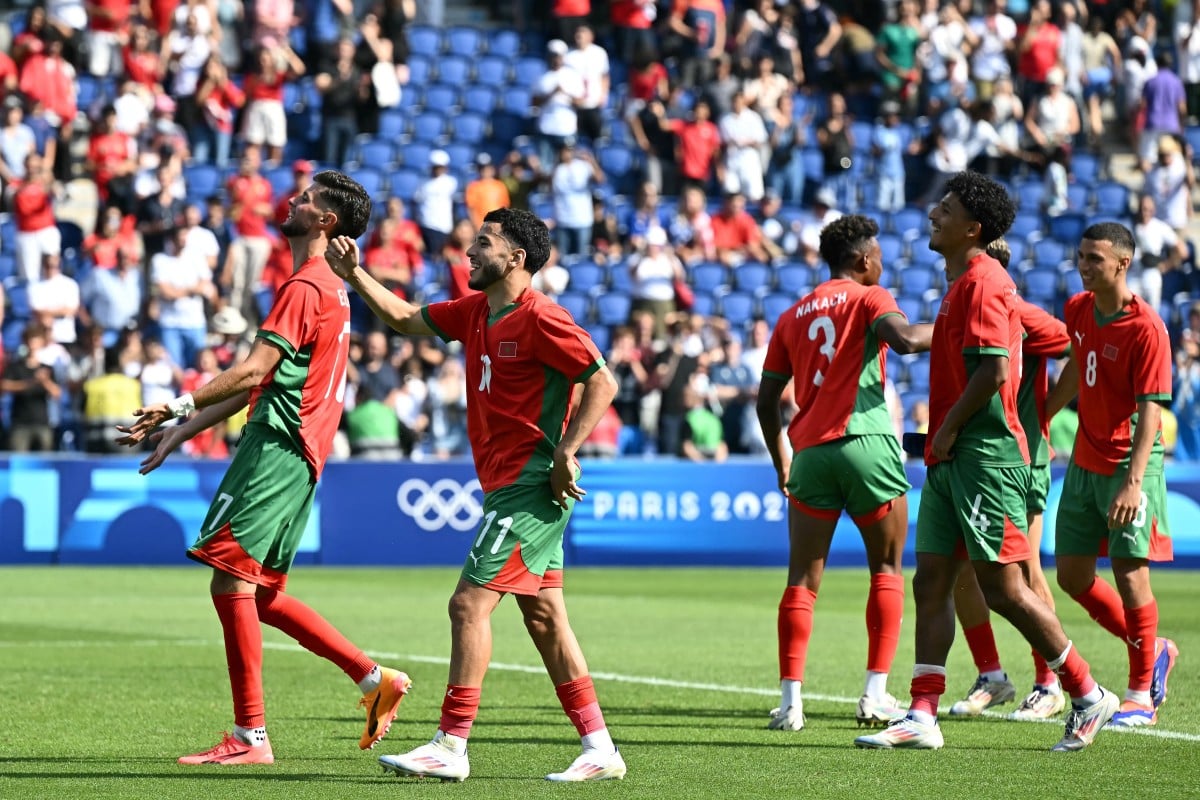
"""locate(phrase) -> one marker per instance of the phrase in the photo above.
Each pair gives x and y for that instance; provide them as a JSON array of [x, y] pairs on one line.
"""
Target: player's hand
[[563, 484], [342, 255], [943, 443], [166, 441], [1124, 507], [781, 477], [149, 418]]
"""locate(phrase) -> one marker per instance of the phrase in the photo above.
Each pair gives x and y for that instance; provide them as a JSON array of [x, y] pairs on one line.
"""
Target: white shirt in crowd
[[989, 61], [433, 203], [61, 292], [564, 87], [185, 269], [592, 66], [571, 184]]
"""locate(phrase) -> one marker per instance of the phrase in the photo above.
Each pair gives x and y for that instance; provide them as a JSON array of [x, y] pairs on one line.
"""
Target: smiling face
[[1100, 266], [950, 226], [305, 212], [491, 257]]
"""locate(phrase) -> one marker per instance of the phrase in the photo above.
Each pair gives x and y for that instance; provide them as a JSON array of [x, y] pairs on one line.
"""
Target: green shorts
[[519, 547], [256, 521], [1081, 528], [974, 511], [856, 473], [1039, 489]]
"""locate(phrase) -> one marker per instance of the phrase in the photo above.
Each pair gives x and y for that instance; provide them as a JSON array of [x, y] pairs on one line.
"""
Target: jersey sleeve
[[291, 323], [450, 319], [1044, 334], [778, 363], [879, 302], [564, 346], [1152, 366], [988, 304]]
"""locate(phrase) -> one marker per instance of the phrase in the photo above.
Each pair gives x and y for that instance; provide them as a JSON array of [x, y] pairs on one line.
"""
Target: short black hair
[[526, 231], [1115, 234], [986, 201], [846, 238], [347, 198]]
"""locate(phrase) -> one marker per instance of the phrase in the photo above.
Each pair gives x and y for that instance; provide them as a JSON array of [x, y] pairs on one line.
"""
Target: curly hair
[[526, 231], [846, 238], [1115, 234], [986, 201], [348, 199]]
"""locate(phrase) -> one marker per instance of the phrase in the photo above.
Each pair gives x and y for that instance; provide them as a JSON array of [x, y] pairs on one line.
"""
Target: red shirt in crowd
[[103, 250], [698, 145], [629, 14], [259, 88], [572, 8], [643, 84], [246, 193], [141, 67], [50, 80], [105, 152], [735, 232], [109, 15], [33, 207]]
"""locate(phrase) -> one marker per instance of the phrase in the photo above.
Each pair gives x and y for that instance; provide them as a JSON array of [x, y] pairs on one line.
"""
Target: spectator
[[17, 143], [942, 58], [787, 44], [691, 231], [31, 387], [486, 192], [1102, 64], [142, 63], [265, 121], [823, 213], [743, 135], [1170, 183], [654, 275], [1160, 255], [164, 139], [1165, 105], [735, 233], [778, 237], [1139, 67], [590, 60], [735, 390], [605, 439], [302, 172], [161, 376], [434, 202], [607, 240], [217, 223], [160, 212], [651, 129], [113, 296], [633, 27], [556, 94], [703, 435], [448, 410], [755, 34], [182, 282], [765, 89], [720, 90], [393, 261], [819, 34], [633, 384], [344, 88], [889, 143], [648, 80], [48, 79], [458, 264], [209, 443], [992, 39], [698, 142], [896, 52], [1055, 181], [1054, 122], [55, 301], [33, 211], [372, 428], [114, 234], [106, 404], [646, 215], [112, 156], [30, 41], [1187, 45], [9, 76], [949, 154], [219, 100], [273, 20], [521, 175], [108, 30], [785, 169], [1038, 50], [552, 278], [1185, 398], [250, 208], [701, 24], [836, 140], [199, 240], [409, 406], [673, 370], [186, 50], [231, 344], [571, 184], [132, 105]]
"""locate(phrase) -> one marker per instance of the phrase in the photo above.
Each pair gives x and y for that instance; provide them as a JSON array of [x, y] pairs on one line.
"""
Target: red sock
[[578, 698], [1103, 604], [926, 690], [1042, 674], [314, 633], [243, 654], [795, 629], [885, 607], [982, 642], [459, 708], [1075, 674], [1142, 624]]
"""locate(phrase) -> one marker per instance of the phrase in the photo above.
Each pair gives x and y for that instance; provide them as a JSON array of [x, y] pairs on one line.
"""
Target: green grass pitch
[[107, 675]]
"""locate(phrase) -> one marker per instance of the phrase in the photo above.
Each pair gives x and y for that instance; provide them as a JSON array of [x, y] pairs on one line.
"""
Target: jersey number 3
[[823, 327]]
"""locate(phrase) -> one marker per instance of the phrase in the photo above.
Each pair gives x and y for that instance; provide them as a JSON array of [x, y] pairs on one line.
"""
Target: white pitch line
[[615, 677]]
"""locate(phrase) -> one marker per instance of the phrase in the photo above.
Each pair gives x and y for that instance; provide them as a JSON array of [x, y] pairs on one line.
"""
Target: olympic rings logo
[[444, 503]]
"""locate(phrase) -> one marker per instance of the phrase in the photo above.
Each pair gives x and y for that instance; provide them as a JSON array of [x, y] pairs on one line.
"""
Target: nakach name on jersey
[[302, 397], [978, 317], [827, 342], [1045, 338], [1122, 360], [521, 363]]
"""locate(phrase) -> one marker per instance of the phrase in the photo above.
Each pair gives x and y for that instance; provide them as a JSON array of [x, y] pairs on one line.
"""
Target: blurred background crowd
[[686, 153]]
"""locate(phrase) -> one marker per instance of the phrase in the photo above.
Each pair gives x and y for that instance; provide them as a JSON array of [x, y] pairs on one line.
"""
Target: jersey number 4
[[823, 327]]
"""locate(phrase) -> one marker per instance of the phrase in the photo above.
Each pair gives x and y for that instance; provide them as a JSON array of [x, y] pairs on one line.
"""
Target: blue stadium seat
[[922, 256], [370, 178], [480, 99], [913, 307], [794, 279], [18, 302], [88, 90], [379, 153], [1072, 284], [504, 43], [526, 71], [738, 308], [462, 154], [601, 337], [429, 127], [814, 164], [1024, 226], [868, 197], [891, 247], [415, 155], [1041, 285], [918, 375], [577, 304], [8, 266], [909, 222], [705, 305], [709, 277], [1078, 196], [424, 40], [1018, 252], [392, 122], [469, 127], [753, 278], [202, 180], [404, 182], [917, 279], [587, 276], [1067, 228], [1048, 253], [774, 306], [617, 163], [1030, 194], [1085, 168], [507, 126], [464, 41], [491, 71], [517, 100], [1191, 135], [612, 308], [454, 70], [1112, 199], [420, 71], [281, 179], [441, 97]]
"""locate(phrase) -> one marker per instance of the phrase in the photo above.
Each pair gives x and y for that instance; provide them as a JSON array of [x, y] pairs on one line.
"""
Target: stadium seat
[[753, 278], [18, 302], [392, 122], [464, 41], [587, 276], [420, 71], [379, 153], [917, 279], [370, 178], [517, 100], [814, 164], [704, 304], [909, 222], [1112, 199], [441, 97], [526, 71], [1041, 285], [462, 155], [1191, 134], [577, 304], [480, 99], [1048, 253], [202, 180], [922, 256], [454, 70], [424, 40], [612, 308], [775, 305], [8, 266], [918, 375], [1018, 252], [617, 163], [469, 127], [504, 43], [1067, 228], [891, 248], [1085, 169], [1071, 282], [913, 307], [1030, 194], [404, 182], [709, 277], [415, 155], [491, 71], [738, 308], [601, 337], [794, 279], [1024, 226], [429, 126], [1078, 196], [507, 126]]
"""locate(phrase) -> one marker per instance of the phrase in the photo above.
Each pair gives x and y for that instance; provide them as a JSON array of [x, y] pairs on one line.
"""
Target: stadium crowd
[[687, 155]]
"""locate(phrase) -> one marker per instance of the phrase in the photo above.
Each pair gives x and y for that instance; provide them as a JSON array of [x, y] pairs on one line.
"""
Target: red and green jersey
[[521, 363], [1045, 338], [302, 397], [1123, 360], [827, 342], [978, 317]]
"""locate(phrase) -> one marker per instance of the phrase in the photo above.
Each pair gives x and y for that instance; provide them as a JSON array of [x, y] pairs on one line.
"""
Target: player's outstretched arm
[[770, 419], [903, 337], [598, 393], [400, 315], [168, 440]]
